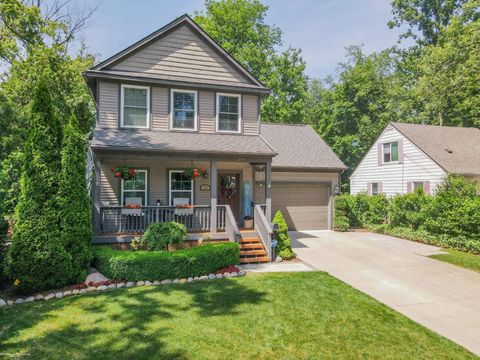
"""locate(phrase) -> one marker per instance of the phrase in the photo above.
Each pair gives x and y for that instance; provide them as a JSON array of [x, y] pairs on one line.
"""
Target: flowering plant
[[193, 172], [125, 172]]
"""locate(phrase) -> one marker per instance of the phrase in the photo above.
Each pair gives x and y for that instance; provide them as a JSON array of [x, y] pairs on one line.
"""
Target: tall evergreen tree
[[75, 210], [37, 257]]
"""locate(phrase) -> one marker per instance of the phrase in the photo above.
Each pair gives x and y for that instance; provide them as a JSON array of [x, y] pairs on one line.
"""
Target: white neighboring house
[[407, 156]]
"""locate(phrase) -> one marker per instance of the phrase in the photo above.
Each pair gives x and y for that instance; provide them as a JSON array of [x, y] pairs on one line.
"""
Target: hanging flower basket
[[125, 172], [194, 172]]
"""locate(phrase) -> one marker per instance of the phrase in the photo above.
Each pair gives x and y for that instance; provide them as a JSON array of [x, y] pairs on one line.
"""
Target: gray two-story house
[[178, 137]]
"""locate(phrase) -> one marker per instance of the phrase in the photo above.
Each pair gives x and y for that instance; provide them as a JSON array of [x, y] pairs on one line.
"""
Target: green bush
[[284, 243], [341, 205], [366, 209], [460, 243], [36, 256], [455, 209], [408, 210], [3, 246], [74, 203], [159, 236], [159, 265]]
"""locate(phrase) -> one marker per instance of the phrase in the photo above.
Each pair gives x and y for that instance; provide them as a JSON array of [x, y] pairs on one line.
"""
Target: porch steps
[[251, 249]]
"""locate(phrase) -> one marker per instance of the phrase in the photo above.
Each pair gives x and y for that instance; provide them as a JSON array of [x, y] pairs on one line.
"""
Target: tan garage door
[[304, 206]]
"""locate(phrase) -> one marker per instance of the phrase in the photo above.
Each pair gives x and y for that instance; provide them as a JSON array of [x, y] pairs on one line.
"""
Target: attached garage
[[304, 205]]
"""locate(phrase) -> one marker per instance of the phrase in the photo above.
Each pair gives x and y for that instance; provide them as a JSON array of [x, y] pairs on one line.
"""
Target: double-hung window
[[390, 152], [375, 189], [135, 189], [181, 188], [135, 107], [228, 113], [183, 110], [417, 185]]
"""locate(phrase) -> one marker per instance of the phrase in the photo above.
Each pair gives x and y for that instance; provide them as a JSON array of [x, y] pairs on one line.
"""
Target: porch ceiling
[[177, 142]]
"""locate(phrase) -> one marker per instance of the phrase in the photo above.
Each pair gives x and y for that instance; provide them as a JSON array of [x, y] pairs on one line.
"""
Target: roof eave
[[97, 74]]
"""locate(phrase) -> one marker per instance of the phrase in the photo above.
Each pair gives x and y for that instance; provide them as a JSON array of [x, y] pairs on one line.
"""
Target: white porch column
[[213, 196], [268, 190]]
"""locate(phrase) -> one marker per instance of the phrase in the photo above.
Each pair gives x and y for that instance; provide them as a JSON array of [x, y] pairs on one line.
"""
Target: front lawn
[[262, 316], [466, 260]]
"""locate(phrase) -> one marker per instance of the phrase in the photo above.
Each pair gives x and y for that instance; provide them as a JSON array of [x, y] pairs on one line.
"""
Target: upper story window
[[390, 152], [184, 110], [228, 113], [135, 107]]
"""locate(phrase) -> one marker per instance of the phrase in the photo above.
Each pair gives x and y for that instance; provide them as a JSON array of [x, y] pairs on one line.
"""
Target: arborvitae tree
[[36, 256], [75, 208]]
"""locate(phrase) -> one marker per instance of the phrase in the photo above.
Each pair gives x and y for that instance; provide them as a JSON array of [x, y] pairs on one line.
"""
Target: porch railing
[[118, 220], [263, 228], [231, 227]]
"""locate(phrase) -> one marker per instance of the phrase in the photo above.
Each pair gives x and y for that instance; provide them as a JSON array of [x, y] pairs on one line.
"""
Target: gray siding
[[207, 110], [108, 107], [158, 179], [183, 55], [160, 116], [250, 114]]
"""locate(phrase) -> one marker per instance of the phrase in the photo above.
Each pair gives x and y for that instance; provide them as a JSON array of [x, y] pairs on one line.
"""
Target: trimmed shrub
[[408, 210], [159, 236], [455, 209], [341, 221], [366, 209], [75, 209], [460, 243], [160, 265], [36, 256], [284, 243]]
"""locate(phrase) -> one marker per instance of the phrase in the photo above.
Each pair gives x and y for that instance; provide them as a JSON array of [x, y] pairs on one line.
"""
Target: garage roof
[[300, 147]]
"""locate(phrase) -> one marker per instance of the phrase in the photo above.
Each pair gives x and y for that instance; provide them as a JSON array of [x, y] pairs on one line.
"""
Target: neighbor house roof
[[178, 142], [299, 146], [455, 149]]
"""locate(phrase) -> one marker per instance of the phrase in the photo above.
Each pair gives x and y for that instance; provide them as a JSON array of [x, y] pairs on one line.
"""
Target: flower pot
[[248, 223]]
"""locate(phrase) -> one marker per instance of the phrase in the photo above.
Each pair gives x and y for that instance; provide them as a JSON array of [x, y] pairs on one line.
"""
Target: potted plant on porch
[[248, 222]]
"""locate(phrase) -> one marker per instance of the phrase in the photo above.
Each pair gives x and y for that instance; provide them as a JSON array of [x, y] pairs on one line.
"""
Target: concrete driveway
[[442, 297]]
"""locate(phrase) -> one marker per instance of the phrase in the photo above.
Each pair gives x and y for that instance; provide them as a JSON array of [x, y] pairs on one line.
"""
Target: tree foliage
[[74, 203], [239, 27], [36, 256]]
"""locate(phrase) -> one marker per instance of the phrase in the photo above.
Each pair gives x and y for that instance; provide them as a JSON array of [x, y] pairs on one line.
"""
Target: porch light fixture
[[337, 190], [205, 174], [158, 202]]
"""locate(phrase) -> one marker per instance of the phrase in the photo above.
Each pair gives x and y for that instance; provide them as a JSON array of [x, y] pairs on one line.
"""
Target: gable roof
[[107, 66], [455, 149], [299, 147]]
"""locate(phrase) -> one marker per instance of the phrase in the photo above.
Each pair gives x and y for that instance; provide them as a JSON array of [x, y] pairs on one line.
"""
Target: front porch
[[212, 206]]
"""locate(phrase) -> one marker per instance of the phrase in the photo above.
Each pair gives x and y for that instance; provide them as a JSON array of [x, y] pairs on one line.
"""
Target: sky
[[321, 28]]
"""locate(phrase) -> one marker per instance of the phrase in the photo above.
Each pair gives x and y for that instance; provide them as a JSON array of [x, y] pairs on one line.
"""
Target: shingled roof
[[300, 147], [176, 142], [455, 149]]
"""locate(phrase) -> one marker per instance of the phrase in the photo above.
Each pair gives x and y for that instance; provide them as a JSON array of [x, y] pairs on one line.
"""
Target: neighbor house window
[[184, 110], [228, 113], [417, 185], [181, 188], [135, 106], [375, 189], [390, 152], [135, 191]]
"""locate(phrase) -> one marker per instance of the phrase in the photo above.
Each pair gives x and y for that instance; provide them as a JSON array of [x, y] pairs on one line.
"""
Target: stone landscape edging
[[126, 284]]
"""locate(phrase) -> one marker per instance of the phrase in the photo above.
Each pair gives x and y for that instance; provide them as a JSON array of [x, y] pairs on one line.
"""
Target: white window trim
[[371, 188], [418, 182], [145, 191], [170, 202], [195, 121], [122, 101], [383, 152], [217, 100]]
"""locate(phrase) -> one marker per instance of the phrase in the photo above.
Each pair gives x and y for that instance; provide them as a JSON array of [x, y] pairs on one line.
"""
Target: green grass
[[263, 316], [466, 260]]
